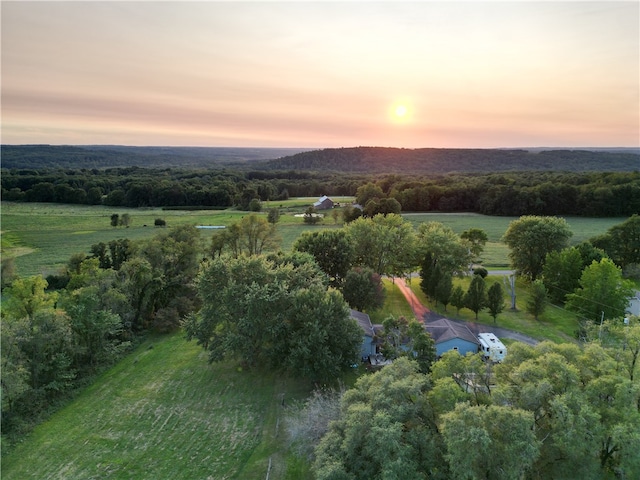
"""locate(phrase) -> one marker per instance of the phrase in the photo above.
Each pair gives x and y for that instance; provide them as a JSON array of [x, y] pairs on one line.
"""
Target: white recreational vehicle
[[491, 347]]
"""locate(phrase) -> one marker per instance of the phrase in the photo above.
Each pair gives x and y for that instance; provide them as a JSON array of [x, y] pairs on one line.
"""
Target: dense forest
[[450, 160], [604, 194], [366, 160], [106, 156], [488, 181]]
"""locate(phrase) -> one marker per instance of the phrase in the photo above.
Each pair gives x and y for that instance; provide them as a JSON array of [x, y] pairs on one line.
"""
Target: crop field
[[164, 412], [42, 237]]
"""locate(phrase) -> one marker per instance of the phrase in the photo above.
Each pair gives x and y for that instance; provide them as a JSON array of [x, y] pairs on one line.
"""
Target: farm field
[[164, 412], [42, 237]]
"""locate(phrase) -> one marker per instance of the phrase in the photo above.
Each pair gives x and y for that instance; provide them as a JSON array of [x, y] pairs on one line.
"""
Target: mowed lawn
[[165, 413]]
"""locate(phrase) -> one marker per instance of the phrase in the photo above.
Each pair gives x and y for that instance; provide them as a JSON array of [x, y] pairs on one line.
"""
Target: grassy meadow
[[164, 412], [42, 237]]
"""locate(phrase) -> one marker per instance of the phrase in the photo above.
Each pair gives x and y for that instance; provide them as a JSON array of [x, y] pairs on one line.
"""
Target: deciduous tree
[[368, 192], [446, 248], [531, 238], [332, 251], [476, 239], [537, 302], [26, 297], [495, 300], [561, 273], [383, 243], [273, 216], [622, 242], [385, 430], [363, 289], [603, 293], [476, 297], [479, 445], [278, 314]]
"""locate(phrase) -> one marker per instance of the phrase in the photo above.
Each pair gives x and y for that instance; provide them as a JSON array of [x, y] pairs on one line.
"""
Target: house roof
[[443, 330], [364, 321]]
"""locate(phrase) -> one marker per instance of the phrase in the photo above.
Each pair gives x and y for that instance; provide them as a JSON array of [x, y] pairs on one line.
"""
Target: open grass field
[[43, 236], [496, 252], [164, 413]]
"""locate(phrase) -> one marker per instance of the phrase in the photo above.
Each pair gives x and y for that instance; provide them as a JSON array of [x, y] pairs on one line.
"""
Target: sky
[[321, 74]]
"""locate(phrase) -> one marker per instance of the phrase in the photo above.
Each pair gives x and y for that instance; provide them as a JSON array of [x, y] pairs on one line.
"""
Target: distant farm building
[[323, 203], [452, 336]]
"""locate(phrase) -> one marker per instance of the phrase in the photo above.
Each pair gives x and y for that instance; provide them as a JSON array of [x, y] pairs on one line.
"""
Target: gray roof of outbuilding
[[443, 330]]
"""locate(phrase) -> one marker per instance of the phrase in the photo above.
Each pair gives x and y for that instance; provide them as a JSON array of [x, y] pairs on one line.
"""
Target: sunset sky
[[322, 74]]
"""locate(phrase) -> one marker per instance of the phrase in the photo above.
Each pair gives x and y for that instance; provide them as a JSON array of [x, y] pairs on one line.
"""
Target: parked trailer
[[491, 347]]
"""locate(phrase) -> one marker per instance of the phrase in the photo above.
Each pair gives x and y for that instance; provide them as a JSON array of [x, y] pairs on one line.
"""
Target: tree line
[[508, 194]]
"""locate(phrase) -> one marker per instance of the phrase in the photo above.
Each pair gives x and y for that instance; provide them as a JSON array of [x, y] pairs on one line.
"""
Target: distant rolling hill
[[107, 156], [448, 160], [352, 160]]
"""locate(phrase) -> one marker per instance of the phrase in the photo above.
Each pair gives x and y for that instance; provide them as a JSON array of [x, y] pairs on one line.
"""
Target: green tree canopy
[[574, 394], [622, 242], [363, 289], [480, 445], [603, 293], [561, 273], [332, 251], [476, 297], [538, 299], [385, 430], [368, 192], [446, 249], [278, 314], [476, 239], [383, 243], [531, 238], [27, 296], [407, 338], [495, 300]]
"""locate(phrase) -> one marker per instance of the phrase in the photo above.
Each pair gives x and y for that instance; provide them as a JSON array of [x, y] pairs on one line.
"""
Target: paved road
[[425, 315]]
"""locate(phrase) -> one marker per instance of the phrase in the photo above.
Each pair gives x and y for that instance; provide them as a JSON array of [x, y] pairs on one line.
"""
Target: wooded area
[[599, 194]]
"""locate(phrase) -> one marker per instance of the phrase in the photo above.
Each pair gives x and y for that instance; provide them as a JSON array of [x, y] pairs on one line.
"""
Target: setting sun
[[400, 112]]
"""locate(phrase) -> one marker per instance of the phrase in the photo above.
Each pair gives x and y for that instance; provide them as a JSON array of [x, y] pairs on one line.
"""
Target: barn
[[323, 203]]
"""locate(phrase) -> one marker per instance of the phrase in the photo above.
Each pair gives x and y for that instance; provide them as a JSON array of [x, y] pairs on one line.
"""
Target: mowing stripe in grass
[[162, 412]]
